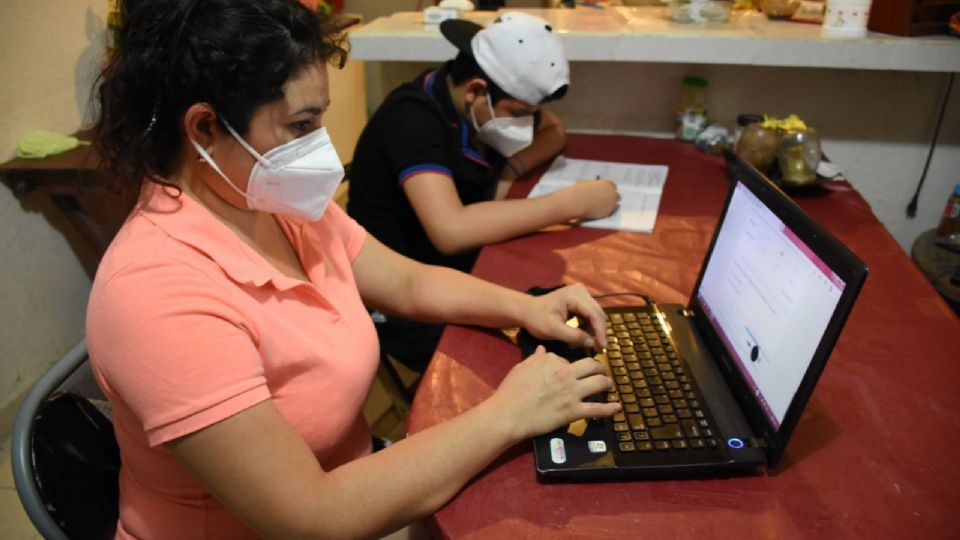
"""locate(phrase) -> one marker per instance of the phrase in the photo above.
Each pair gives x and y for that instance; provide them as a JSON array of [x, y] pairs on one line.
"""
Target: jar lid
[[747, 119], [695, 81]]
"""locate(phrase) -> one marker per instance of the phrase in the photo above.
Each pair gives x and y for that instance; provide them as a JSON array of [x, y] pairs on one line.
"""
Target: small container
[[757, 146], [692, 108], [744, 120], [779, 10], [846, 18], [698, 11], [950, 222], [798, 155]]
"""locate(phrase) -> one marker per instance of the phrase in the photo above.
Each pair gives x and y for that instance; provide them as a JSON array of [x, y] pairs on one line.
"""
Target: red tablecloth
[[875, 455]]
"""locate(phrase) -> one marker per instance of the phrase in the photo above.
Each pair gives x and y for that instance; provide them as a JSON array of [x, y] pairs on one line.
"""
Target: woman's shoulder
[[146, 274], [142, 250], [149, 285]]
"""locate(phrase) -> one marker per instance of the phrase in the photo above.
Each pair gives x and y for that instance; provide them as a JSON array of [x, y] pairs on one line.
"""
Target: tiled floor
[[14, 523]]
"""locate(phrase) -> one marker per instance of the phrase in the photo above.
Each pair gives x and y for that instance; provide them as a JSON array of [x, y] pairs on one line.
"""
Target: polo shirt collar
[[191, 223], [435, 85]]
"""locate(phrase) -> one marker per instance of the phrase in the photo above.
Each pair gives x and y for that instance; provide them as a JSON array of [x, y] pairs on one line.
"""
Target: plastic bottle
[[950, 222], [692, 108]]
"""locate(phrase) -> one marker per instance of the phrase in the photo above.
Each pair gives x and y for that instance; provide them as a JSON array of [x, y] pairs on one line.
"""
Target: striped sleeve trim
[[424, 168]]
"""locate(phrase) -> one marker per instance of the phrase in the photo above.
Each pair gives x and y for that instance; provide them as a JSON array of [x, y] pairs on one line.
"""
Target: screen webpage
[[769, 298]]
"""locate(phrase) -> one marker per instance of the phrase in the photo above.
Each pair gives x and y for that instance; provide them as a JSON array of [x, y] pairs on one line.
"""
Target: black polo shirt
[[417, 129]]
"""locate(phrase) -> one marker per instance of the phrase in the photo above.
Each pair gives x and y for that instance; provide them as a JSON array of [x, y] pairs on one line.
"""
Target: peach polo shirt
[[187, 325]]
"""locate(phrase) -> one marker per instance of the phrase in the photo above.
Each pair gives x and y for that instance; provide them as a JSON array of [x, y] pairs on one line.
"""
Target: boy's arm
[[548, 141], [454, 227]]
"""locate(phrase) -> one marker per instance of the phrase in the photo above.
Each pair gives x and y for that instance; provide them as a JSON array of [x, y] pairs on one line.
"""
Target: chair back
[[65, 458]]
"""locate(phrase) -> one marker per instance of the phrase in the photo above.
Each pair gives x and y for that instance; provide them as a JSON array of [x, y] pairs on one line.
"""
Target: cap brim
[[459, 32]]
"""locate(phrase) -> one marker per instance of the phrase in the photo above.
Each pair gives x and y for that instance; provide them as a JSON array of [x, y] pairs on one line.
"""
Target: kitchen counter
[[646, 34]]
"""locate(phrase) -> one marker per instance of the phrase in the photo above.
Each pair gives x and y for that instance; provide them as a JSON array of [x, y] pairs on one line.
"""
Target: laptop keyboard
[[661, 404]]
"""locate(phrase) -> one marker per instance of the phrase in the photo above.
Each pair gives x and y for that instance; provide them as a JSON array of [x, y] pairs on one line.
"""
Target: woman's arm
[[395, 284], [259, 467]]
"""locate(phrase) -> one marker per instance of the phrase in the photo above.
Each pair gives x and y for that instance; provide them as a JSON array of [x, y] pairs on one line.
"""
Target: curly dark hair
[[234, 55]]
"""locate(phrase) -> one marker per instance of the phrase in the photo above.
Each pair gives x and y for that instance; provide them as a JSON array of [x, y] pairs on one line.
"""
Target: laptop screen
[[769, 298]]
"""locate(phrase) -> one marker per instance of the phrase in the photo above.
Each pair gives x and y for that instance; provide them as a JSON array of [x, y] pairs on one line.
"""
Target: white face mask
[[507, 135], [295, 179]]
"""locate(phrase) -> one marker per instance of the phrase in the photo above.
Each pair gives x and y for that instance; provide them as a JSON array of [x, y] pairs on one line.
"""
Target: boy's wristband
[[516, 173], [522, 163]]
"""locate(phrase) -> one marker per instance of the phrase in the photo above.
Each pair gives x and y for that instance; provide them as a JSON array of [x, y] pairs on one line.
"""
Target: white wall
[[48, 50], [55, 51]]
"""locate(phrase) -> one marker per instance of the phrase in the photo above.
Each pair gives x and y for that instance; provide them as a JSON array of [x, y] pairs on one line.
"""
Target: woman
[[227, 325]]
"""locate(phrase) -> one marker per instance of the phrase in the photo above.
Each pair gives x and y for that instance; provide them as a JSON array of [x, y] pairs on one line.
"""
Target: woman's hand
[[546, 317], [545, 392]]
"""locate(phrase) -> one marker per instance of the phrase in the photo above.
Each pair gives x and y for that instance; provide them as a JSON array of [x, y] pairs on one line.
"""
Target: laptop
[[716, 387]]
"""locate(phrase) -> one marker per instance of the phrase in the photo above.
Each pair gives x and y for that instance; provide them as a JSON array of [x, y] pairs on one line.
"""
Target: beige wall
[[48, 51]]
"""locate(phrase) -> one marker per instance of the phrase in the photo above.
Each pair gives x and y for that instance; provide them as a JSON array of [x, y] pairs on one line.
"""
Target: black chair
[[65, 458]]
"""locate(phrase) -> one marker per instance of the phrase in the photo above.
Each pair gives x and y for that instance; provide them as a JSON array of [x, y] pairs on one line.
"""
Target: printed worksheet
[[640, 187]]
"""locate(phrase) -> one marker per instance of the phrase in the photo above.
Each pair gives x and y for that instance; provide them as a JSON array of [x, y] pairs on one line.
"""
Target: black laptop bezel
[[834, 254]]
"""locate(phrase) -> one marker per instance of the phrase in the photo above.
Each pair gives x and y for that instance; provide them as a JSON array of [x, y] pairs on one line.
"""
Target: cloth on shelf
[[41, 143]]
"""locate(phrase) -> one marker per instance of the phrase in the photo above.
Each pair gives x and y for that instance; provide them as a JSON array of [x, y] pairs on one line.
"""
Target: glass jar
[[757, 145], [744, 120], [798, 155]]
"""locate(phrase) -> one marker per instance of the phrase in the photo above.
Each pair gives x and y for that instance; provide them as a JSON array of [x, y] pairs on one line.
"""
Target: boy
[[434, 163]]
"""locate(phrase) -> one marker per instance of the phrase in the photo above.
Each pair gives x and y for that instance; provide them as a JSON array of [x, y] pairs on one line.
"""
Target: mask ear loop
[[263, 161], [473, 115], [493, 115], [213, 164]]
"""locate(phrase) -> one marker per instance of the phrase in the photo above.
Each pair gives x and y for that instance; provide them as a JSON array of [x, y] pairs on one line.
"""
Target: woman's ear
[[200, 125]]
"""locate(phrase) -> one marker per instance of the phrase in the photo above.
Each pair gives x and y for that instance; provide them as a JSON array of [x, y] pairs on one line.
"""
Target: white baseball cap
[[519, 52]]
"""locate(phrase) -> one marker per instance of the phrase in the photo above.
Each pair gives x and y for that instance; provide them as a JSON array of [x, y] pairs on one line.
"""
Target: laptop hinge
[[757, 442]]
